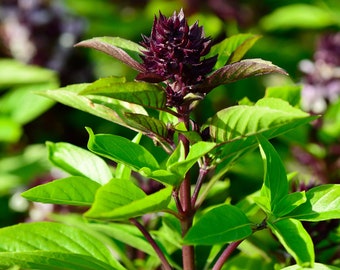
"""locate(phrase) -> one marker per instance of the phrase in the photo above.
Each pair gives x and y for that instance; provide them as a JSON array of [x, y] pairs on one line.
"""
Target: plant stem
[[225, 255], [188, 252], [147, 235], [203, 172]]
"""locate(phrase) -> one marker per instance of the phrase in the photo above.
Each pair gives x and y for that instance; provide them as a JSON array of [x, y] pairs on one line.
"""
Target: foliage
[[178, 202]]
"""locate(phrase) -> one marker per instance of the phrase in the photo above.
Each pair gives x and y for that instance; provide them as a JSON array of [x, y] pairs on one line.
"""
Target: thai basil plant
[[145, 210]]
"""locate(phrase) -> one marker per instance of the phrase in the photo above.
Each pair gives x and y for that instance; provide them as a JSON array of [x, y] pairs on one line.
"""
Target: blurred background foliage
[[36, 53]]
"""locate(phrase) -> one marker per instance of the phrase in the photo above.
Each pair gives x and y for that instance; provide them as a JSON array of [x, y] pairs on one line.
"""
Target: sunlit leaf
[[232, 49], [295, 239], [115, 47], [121, 199], [79, 162], [54, 237], [288, 203], [298, 16], [74, 190], [289, 93], [269, 117], [10, 131], [275, 184], [107, 108], [141, 93], [122, 150], [317, 266], [323, 203], [52, 261], [223, 224]]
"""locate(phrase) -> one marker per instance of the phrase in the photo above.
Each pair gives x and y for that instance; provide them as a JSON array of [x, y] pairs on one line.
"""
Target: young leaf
[[288, 203], [164, 176], [52, 261], [122, 150], [223, 224], [121, 199], [275, 184], [54, 237], [79, 162], [112, 46], [295, 239], [195, 153], [323, 203], [141, 93], [107, 108], [75, 190], [177, 156], [238, 71], [289, 93], [232, 49]]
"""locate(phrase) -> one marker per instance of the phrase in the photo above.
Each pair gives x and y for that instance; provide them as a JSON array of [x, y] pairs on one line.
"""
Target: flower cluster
[[173, 55]]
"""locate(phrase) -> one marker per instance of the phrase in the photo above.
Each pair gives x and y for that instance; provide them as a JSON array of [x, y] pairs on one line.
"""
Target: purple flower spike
[[173, 55]]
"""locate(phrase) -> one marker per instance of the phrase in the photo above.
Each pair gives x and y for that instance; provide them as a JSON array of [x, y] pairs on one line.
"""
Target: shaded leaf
[[107, 108], [238, 71], [232, 49], [222, 224], [112, 46], [79, 162], [75, 190], [149, 126], [141, 93], [54, 237], [52, 261], [323, 203], [295, 239], [121, 199], [122, 150]]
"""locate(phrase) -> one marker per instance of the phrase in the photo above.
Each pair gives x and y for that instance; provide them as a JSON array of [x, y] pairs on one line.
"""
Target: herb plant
[[177, 67]]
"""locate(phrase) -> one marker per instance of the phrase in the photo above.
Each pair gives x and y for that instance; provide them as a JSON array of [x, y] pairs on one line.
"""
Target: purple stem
[[226, 254]]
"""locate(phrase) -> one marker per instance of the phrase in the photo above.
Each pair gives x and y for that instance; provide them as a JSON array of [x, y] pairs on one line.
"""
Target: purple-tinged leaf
[[110, 46], [238, 71]]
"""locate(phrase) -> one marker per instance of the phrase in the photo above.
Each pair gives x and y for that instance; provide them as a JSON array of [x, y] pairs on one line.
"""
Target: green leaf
[[323, 203], [269, 117], [238, 71], [295, 239], [73, 190], [164, 176], [122, 150], [52, 261], [141, 93], [54, 237], [10, 131], [121, 199], [150, 126], [117, 48], [14, 72], [298, 16], [177, 156], [107, 108], [79, 162], [289, 93], [317, 266], [196, 151], [275, 184], [232, 49], [127, 234], [17, 103], [288, 203], [330, 129], [222, 224]]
